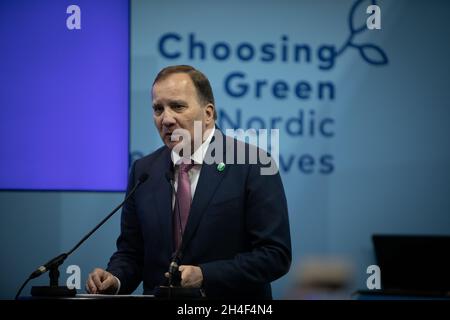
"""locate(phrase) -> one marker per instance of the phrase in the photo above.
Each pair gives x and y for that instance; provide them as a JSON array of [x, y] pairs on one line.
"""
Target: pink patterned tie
[[184, 202]]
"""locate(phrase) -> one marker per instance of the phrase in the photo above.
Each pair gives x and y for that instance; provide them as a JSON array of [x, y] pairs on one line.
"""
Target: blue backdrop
[[363, 118]]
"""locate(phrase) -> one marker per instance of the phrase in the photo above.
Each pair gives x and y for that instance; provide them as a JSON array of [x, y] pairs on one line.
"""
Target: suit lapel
[[162, 195]]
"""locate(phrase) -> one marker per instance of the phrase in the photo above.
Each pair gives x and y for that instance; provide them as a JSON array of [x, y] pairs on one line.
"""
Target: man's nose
[[168, 118]]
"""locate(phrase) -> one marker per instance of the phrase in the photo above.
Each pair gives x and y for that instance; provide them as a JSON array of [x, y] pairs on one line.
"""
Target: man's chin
[[178, 147], [169, 143]]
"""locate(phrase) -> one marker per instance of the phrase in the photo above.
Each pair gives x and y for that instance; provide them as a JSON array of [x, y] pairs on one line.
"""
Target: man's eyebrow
[[177, 102], [170, 103]]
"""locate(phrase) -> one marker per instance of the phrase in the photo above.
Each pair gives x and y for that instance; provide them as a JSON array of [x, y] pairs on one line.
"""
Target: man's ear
[[209, 113]]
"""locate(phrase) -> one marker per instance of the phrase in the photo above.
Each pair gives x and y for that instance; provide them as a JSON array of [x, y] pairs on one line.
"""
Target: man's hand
[[191, 276], [101, 281]]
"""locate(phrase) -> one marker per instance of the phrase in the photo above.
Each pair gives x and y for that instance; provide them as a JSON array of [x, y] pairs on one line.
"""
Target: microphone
[[44, 268], [54, 263], [174, 273]]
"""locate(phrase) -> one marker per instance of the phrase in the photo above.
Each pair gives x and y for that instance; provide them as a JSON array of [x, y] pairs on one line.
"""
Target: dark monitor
[[413, 263]]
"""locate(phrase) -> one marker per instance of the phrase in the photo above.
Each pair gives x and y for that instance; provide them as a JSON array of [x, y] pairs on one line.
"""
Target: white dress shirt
[[197, 157]]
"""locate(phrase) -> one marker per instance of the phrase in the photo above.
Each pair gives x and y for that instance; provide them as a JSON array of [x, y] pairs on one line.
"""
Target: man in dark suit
[[228, 223]]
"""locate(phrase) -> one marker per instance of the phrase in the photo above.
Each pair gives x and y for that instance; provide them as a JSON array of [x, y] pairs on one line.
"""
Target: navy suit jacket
[[237, 231]]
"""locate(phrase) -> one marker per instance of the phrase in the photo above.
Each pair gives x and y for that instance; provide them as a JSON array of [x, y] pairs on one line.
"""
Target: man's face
[[176, 106]]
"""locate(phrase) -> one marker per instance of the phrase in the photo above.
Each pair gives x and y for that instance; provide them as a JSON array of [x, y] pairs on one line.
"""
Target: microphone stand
[[54, 290]]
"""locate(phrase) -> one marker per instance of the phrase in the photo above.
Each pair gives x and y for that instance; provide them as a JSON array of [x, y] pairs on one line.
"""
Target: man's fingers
[[90, 286], [96, 279], [101, 281], [166, 275], [191, 276], [104, 275], [107, 283], [186, 281], [184, 275]]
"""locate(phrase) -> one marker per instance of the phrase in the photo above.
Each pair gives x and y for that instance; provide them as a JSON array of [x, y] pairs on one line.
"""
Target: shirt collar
[[199, 154]]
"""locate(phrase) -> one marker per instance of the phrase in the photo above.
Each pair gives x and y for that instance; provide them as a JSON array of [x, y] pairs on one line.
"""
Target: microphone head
[[143, 177], [173, 267]]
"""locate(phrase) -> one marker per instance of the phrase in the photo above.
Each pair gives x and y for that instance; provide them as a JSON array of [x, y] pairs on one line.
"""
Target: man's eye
[[178, 106], [157, 110]]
